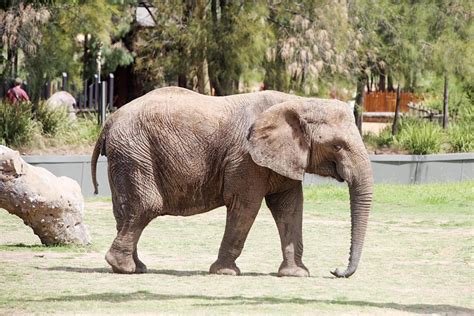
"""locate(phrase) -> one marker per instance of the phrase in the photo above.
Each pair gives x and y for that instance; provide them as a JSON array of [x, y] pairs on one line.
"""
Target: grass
[[418, 258]]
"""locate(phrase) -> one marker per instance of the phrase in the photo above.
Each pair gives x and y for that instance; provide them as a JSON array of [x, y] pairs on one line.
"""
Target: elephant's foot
[[120, 263], [222, 268], [292, 271]]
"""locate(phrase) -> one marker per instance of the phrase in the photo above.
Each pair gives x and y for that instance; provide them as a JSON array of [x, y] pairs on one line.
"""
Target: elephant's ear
[[279, 140]]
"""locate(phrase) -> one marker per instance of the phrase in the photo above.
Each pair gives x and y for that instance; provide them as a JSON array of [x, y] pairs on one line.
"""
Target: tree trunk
[[223, 73], [382, 79], [201, 52], [53, 207], [359, 102], [182, 80], [390, 87], [397, 111], [445, 102]]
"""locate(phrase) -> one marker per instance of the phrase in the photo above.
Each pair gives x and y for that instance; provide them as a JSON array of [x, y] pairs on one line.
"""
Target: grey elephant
[[63, 99], [176, 152]]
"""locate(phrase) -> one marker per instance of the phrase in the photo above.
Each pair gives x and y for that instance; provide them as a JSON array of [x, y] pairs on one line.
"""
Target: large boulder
[[52, 206], [63, 99]]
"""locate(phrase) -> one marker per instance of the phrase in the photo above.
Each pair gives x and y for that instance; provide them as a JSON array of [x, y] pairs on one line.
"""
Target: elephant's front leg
[[240, 217], [287, 210]]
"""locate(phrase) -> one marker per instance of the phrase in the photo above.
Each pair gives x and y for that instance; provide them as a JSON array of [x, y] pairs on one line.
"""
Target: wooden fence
[[386, 101]]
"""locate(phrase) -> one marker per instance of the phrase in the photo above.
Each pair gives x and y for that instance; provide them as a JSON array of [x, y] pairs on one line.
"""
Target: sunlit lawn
[[418, 258]]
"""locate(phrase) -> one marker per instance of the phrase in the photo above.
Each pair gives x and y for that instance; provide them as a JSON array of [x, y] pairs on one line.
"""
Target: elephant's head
[[318, 136]]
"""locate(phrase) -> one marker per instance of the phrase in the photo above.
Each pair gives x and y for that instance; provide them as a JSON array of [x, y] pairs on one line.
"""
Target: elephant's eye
[[337, 147]]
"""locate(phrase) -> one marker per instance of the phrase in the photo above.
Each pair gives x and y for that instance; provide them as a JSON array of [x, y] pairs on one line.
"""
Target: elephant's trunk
[[360, 189]]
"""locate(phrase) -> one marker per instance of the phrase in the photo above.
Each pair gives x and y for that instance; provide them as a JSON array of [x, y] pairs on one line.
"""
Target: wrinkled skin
[[175, 152]]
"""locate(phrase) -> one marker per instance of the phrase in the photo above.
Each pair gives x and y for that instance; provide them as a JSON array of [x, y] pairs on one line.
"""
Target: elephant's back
[[175, 104]]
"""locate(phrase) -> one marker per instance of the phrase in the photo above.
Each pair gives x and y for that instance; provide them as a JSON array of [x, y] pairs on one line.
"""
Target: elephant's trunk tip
[[347, 273]]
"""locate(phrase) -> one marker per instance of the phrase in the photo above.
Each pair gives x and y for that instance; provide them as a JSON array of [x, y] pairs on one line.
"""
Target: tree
[[20, 24], [76, 32], [311, 45], [451, 35], [227, 36]]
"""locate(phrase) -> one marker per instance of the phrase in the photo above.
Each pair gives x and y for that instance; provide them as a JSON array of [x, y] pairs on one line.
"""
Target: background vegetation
[[303, 46], [44, 128], [325, 48]]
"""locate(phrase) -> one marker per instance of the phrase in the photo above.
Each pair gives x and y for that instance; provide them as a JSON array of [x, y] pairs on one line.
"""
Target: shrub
[[51, 119], [385, 137], [420, 137], [461, 137], [370, 139], [16, 125], [83, 131]]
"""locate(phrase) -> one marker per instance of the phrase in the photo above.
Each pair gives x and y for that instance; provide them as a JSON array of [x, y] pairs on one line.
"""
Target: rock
[[52, 206], [63, 99]]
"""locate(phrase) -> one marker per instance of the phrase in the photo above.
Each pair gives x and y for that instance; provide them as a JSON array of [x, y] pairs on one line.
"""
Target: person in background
[[17, 94]]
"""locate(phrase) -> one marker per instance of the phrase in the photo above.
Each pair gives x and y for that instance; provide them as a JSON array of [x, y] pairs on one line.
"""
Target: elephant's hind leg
[[122, 255], [287, 210], [140, 267]]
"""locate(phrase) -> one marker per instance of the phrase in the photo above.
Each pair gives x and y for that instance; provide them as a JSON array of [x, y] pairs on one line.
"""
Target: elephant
[[176, 152], [63, 99]]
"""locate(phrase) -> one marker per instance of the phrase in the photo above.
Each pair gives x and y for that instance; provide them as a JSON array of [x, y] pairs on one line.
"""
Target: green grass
[[418, 258]]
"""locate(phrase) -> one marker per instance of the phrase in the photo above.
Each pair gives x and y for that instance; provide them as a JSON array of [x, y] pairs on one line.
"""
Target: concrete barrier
[[77, 168], [401, 169]]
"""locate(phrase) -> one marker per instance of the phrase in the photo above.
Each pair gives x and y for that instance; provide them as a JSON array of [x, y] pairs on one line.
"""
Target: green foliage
[[385, 137], [16, 125], [84, 130], [20, 128], [420, 137], [228, 37], [461, 137], [51, 119], [370, 139], [73, 37]]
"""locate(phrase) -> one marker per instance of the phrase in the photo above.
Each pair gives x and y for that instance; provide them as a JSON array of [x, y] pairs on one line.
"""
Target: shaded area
[[239, 300], [178, 273], [40, 247]]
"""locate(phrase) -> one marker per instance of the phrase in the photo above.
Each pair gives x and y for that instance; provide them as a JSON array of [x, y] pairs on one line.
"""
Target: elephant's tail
[[98, 150]]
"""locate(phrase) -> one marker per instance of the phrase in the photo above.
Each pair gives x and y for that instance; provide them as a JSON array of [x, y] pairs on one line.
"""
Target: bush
[[461, 137], [420, 137], [51, 119], [385, 137], [83, 131], [16, 125], [370, 139]]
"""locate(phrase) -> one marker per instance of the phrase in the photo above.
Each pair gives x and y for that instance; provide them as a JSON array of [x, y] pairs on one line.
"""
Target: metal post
[[91, 97], [111, 91], [47, 93], [96, 91], [103, 103], [84, 88], [64, 81]]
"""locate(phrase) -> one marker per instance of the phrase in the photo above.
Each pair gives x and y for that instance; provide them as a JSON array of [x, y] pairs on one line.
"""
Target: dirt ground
[[418, 259], [375, 128]]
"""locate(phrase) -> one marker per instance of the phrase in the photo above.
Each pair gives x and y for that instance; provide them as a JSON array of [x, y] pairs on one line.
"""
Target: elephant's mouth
[[338, 178], [336, 174], [328, 169]]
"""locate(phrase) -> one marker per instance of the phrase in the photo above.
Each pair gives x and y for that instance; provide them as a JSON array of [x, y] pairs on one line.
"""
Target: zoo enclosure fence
[[379, 106]]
